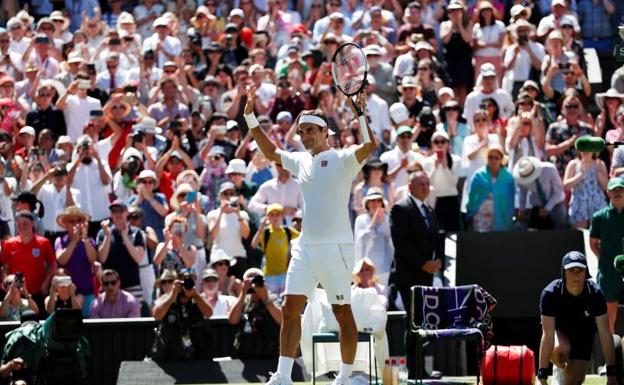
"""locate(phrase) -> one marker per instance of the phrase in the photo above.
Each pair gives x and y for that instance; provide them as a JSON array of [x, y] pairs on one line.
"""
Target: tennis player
[[325, 251]]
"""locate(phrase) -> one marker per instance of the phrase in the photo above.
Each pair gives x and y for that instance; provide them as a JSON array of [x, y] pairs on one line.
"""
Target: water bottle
[[395, 371], [402, 372]]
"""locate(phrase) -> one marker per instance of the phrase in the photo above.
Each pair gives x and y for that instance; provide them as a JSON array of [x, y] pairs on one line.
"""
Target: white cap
[[237, 12], [161, 21], [129, 152], [147, 174], [398, 113], [74, 57], [446, 91], [236, 166], [63, 139], [27, 130]]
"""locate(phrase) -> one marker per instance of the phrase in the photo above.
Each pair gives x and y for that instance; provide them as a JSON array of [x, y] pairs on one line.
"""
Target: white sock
[[345, 370], [284, 366]]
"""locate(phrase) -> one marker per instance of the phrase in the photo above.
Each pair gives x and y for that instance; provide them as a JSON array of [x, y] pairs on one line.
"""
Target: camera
[[234, 202], [114, 41], [131, 89], [258, 281], [42, 40], [189, 282], [426, 119], [138, 136], [523, 39], [133, 165], [84, 146], [19, 279], [564, 66]]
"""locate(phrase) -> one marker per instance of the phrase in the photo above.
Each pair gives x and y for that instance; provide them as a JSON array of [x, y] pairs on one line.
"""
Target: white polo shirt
[[326, 180], [93, 198], [55, 203]]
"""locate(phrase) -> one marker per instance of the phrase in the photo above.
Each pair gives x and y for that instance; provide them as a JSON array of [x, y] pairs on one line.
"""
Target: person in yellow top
[[274, 238]]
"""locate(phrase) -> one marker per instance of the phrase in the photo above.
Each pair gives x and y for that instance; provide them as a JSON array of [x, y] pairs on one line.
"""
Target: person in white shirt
[[111, 78], [282, 189], [92, 177], [19, 41], [167, 47], [486, 86], [55, 197], [552, 22], [378, 110], [145, 14], [521, 56], [372, 234], [401, 157], [220, 304], [325, 252], [487, 38], [443, 168], [77, 106], [228, 226]]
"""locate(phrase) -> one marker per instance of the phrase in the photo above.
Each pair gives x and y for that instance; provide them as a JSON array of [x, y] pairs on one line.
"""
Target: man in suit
[[414, 231]]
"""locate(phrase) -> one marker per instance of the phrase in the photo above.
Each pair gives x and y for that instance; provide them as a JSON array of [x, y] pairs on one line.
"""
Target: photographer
[[181, 330], [63, 293], [258, 318], [16, 300]]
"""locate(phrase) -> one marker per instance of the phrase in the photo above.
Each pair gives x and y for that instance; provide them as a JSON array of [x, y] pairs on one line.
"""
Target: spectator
[[443, 169], [456, 35], [450, 123], [28, 201], [236, 171], [114, 302], [185, 203], [550, 23], [213, 173], [55, 196], [228, 225], [525, 135], [487, 38], [76, 253], [220, 262], [401, 157], [91, 176], [487, 87], [410, 97], [414, 234], [381, 73], [608, 121], [561, 135], [17, 300], [44, 114], [120, 248], [147, 274], [373, 240], [375, 175], [76, 105], [542, 194], [365, 277], [172, 254], [587, 178], [490, 205], [283, 189], [153, 204], [31, 255], [274, 240], [183, 338], [257, 316], [63, 294], [220, 304], [523, 58], [595, 20]]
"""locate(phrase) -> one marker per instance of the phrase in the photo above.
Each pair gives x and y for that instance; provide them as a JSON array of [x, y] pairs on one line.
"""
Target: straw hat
[[372, 194], [71, 212], [526, 170]]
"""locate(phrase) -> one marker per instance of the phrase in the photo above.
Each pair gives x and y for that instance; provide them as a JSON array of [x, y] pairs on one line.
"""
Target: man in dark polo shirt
[[606, 234], [121, 247], [572, 309], [45, 115]]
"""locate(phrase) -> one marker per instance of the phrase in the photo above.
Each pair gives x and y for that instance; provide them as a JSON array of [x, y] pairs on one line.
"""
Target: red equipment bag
[[508, 365]]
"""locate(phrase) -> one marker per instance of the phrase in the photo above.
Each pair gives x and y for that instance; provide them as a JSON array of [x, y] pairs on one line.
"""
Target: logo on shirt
[[323, 163], [586, 313], [36, 252]]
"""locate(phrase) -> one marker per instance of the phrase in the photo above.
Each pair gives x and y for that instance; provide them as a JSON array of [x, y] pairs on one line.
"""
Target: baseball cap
[[226, 186], [398, 112], [487, 69], [446, 91], [574, 259], [558, 2], [284, 115], [117, 203], [615, 183], [216, 150], [237, 12], [27, 130], [404, 129], [209, 273], [274, 207]]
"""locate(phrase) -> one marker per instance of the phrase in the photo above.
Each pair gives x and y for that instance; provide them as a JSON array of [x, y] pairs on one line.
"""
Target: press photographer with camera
[[181, 333], [17, 300], [258, 317]]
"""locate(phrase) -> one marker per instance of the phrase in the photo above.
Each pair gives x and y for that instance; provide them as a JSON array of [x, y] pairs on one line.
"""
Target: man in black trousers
[[414, 234]]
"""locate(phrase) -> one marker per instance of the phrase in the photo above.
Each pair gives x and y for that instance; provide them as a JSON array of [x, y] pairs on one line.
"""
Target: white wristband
[[364, 129], [251, 121]]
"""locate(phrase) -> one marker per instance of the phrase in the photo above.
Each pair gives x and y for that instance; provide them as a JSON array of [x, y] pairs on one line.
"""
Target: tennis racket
[[349, 70]]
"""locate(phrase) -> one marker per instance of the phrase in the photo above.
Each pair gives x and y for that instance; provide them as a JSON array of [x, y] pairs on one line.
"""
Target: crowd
[[130, 178]]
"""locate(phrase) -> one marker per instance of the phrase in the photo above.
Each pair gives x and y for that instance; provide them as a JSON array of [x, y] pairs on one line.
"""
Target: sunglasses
[[493, 157], [423, 68], [45, 95], [526, 103], [117, 107], [166, 281], [440, 142], [134, 217], [146, 181], [75, 221], [217, 157], [109, 283], [170, 71], [228, 193], [405, 136], [479, 120], [572, 106]]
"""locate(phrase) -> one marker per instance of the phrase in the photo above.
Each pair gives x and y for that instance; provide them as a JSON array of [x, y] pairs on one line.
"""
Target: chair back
[[435, 308]]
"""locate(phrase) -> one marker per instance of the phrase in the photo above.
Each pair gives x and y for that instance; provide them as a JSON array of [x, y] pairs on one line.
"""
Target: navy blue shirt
[[570, 312], [119, 258]]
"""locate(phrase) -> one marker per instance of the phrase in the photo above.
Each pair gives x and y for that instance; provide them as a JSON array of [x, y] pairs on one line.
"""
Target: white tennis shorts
[[331, 265]]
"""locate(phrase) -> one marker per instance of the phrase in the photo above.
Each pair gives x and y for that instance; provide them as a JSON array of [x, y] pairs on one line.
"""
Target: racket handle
[[364, 129], [251, 120]]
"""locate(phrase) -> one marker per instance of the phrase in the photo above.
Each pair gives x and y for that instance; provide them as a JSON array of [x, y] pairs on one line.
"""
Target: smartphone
[[191, 196], [63, 280], [84, 84], [42, 39], [564, 66], [19, 278], [177, 229], [96, 113], [440, 155]]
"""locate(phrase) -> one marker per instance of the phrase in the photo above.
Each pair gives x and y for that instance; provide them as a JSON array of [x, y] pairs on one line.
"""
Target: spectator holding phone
[[172, 254], [228, 226], [77, 106], [17, 300], [153, 204], [63, 293]]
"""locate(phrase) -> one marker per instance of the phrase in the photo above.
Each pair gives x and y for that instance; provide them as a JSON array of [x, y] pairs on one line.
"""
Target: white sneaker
[[602, 370], [557, 375], [276, 379], [341, 381]]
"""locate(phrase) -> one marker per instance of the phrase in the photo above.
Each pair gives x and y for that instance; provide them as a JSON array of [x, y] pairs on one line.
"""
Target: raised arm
[[265, 144]]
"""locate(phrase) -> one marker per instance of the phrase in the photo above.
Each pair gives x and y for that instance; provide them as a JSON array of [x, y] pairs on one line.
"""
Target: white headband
[[312, 119]]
